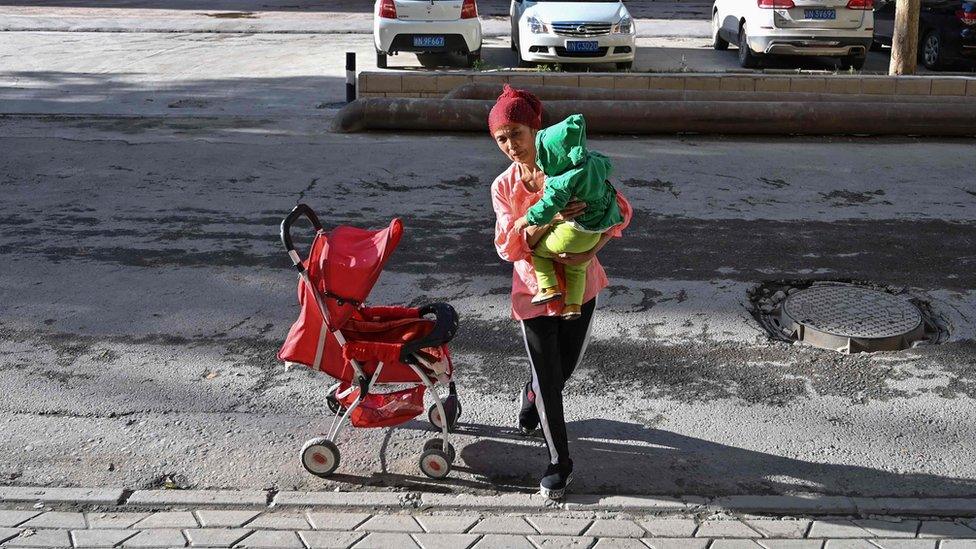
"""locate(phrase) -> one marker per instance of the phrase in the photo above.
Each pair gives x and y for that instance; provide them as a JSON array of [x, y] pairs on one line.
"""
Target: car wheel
[[522, 63], [932, 54], [380, 60], [625, 66], [747, 58], [472, 58], [718, 42], [855, 62], [876, 46]]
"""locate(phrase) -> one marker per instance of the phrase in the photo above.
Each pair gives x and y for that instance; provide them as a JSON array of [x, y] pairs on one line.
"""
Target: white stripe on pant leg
[[539, 404], [586, 338]]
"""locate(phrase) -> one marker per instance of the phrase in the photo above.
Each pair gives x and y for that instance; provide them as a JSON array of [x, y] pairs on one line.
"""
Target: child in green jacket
[[572, 173]]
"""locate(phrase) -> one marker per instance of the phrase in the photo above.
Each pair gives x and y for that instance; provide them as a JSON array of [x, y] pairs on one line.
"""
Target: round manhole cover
[[849, 318]]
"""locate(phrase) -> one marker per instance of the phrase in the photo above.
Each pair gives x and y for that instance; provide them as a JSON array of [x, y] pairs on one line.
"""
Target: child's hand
[[521, 223]]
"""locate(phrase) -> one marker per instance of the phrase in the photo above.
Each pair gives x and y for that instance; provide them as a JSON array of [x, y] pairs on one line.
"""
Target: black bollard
[[350, 76]]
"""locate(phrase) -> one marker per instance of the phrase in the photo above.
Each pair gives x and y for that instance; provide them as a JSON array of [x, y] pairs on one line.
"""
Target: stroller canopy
[[345, 263]]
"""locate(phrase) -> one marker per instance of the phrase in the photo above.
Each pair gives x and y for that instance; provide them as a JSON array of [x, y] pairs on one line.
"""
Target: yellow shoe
[[572, 312], [546, 295]]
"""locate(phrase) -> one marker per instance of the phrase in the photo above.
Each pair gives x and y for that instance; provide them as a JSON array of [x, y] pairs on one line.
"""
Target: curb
[[805, 504]]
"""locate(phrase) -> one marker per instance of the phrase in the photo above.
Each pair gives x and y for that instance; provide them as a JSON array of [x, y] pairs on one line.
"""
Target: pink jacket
[[511, 200]]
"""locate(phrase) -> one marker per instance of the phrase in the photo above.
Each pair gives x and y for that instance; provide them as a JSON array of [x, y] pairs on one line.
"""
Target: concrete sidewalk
[[93, 518]]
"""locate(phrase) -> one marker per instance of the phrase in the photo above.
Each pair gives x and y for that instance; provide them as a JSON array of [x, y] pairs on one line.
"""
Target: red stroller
[[366, 348]]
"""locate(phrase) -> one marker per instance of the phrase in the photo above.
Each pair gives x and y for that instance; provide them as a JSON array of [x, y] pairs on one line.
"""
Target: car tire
[[472, 58], [876, 46], [747, 59], [718, 43], [625, 65], [931, 51], [380, 60], [855, 62], [522, 63]]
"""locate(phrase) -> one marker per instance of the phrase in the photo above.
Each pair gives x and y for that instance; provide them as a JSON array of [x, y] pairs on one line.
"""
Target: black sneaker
[[558, 476], [528, 416]]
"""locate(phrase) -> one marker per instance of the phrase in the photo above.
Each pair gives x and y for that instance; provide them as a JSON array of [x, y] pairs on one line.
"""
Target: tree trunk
[[904, 43]]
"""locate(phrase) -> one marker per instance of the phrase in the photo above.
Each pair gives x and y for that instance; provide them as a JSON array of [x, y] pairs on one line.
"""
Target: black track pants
[[555, 348]]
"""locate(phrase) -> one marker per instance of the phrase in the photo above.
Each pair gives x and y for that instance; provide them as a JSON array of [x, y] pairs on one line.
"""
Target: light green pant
[[563, 238]]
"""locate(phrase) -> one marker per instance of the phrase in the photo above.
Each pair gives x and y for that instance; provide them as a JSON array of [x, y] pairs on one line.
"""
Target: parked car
[[946, 31], [573, 31], [426, 27], [827, 28]]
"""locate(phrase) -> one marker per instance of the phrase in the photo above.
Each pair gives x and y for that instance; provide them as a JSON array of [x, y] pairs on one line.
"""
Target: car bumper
[[551, 48], [813, 45], [391, 35]]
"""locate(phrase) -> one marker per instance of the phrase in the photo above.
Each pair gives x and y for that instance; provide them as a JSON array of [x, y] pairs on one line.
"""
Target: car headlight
[[624, 26], [537, 26]]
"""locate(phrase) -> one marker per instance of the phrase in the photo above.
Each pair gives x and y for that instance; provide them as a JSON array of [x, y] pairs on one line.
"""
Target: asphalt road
[[144, 294]]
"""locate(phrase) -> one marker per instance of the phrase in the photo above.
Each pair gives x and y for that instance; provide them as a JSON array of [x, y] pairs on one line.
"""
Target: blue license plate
[[428, 41], [820, 14], [589, 45]]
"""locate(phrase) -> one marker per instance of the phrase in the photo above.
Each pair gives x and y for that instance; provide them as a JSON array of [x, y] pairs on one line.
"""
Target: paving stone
[[161, 537], [780, 528], [387, 540], [944, 529], [113, 520], [502, 525], [447, 524], [215, 537], [676, 543], [167, 519], [14, 518], [849, 544], [735, 544], [330, 540], [198, 497], [670, 528], [272, 539], [902, 543], [558, 526], [616, 528], [791, 543], [445, 541], [633, 503], [504, 541], [225, 519], [109, 496], [725, 529], [40, 538], [836, 505], [957, 544], [837, 529], [947, 507], [7, 533], [514, 502], [619, 543], [336, 521], [560, 542], [887, 529], [100, 538], [391, 523], [338, 499], [279, 521], [57, 519]]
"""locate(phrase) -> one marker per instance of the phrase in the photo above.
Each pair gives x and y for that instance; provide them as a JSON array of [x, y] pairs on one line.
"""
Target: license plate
[[589, 45], [428, 41], [820, 14]]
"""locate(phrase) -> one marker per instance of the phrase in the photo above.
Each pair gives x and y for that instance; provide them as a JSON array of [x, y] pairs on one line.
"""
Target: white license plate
[[428, 41], [820, 14], [588, 45]]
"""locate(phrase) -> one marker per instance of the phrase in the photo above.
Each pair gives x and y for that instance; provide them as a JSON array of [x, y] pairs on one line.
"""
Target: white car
[[828, 28], [573, 31], [426, 27]]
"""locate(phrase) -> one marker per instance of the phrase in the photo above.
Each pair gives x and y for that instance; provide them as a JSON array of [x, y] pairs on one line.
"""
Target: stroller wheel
[[435, 463], [438, 444], [334, 405], [452, 408], [320, 456]]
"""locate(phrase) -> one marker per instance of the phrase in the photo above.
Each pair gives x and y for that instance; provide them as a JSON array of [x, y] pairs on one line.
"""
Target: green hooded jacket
[[572, 171]]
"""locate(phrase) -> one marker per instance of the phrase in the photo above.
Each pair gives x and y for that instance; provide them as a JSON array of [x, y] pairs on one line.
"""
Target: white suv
[[829, 28], [425, 27], [573, 31]]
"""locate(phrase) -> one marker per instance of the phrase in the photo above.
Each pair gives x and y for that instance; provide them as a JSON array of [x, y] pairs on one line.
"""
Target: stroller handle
[[297, 212]]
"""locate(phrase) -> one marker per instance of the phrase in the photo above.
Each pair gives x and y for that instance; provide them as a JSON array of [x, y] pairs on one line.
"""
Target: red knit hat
[[515, 107]]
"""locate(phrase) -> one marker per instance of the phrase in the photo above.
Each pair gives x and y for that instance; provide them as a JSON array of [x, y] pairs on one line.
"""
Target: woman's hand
[[569, 258], [571, 211], [520, 223]]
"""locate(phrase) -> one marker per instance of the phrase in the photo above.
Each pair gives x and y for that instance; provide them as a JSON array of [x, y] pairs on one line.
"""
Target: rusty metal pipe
[[550, 93], [671, 117]]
